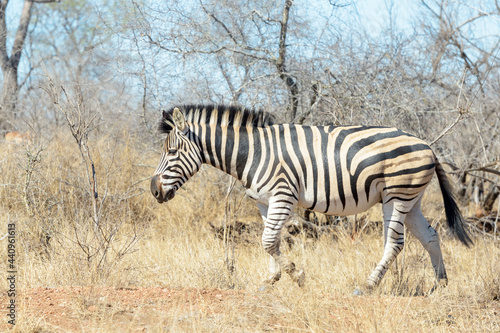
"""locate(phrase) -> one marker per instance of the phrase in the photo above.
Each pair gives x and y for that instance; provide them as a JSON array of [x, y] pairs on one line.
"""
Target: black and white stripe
[[337, 170]]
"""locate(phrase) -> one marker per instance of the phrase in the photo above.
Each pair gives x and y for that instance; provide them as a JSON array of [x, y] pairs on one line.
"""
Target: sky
[[374, 15]]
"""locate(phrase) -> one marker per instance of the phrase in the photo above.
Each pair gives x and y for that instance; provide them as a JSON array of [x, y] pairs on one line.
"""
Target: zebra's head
[[180, 159]]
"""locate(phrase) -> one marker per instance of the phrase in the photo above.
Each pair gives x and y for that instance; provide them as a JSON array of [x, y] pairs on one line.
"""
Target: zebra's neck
[[230, 149]]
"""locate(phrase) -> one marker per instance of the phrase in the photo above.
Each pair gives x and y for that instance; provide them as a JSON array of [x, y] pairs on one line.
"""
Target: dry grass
[[173, 276]]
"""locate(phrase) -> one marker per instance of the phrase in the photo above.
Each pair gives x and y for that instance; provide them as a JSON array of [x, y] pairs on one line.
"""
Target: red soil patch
[[71, 308], [108, 309]]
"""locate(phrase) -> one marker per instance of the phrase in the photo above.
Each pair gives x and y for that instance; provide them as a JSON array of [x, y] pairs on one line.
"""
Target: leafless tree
[[9, 61], [460, 40], [248, 47]]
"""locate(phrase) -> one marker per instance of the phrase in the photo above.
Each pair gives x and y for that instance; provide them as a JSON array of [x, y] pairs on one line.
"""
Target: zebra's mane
[[221, 114]]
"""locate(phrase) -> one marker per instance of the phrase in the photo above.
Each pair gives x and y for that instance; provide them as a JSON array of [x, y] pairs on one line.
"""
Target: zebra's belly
[[340, 206]]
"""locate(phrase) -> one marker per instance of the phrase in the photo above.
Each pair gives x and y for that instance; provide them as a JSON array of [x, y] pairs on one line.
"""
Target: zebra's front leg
[[274, 219]]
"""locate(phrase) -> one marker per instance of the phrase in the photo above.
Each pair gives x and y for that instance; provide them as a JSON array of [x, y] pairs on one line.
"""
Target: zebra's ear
[[179, 120]]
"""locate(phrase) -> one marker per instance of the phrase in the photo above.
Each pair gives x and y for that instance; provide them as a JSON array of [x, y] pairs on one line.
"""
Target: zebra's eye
[[172, 151]]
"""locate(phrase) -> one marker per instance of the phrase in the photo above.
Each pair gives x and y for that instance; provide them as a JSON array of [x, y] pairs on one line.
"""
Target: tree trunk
[[289, 80], [490, 199], [10, 89], [10, 63]]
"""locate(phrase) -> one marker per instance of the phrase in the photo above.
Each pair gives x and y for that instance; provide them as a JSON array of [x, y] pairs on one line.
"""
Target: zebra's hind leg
[[428, 237], [274, 219], [274, 267], [394, 218]]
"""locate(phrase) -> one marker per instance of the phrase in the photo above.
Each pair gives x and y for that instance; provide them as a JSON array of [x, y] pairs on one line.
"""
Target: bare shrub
[[86, 209]]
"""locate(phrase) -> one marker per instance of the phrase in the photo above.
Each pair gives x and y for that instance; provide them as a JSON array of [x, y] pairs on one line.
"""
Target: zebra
[[335, 170]]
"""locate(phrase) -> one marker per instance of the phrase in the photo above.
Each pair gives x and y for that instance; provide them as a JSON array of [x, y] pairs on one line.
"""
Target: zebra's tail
[[455, 219]]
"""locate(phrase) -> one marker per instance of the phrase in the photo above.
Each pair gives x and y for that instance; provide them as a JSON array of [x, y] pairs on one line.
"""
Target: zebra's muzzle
[[157, 190], [169, 195]]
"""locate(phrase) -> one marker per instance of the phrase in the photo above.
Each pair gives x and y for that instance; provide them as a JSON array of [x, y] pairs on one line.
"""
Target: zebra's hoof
[[273, 279], [266, 287], [442, 283], [300, 278], [357, 292]]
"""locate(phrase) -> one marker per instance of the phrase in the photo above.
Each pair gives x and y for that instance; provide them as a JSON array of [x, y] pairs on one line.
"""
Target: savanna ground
[[159, 268]]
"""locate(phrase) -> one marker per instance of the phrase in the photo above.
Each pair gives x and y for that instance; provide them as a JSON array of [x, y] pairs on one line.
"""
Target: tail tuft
[[455, 219]]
